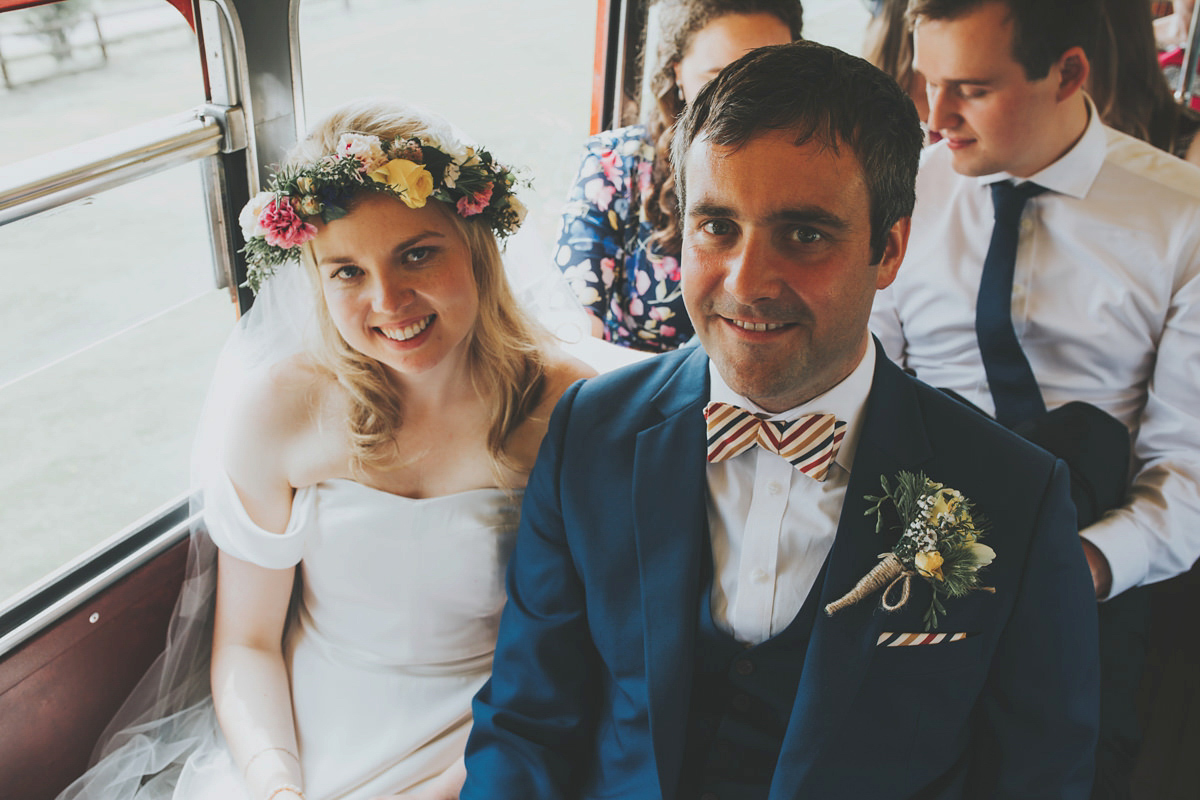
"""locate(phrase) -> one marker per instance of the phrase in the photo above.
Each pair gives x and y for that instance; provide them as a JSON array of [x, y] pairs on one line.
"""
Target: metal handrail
[[58, 594], [43, 182]]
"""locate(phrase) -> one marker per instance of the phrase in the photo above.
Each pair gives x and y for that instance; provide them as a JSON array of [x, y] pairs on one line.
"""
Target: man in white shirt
[[673, 626], [1105, 284]]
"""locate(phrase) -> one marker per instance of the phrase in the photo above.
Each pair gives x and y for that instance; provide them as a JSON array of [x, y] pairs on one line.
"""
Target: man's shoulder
[[958, 430], [641, 377], [1155, 176], [624, 393]]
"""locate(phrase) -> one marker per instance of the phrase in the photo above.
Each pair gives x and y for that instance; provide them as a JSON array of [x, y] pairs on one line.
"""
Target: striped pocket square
[[890, 639]]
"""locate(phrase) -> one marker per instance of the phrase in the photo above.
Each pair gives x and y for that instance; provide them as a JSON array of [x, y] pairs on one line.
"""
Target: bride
[[367, 487]]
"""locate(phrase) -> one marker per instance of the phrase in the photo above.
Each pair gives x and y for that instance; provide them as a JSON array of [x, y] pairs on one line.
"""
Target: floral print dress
[[603, 247]]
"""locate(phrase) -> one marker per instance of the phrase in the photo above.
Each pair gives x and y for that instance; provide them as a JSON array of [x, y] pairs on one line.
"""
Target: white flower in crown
[[442, 137], [249, 218], [451, 174], [367, 149], [309, 205], [518, 208]]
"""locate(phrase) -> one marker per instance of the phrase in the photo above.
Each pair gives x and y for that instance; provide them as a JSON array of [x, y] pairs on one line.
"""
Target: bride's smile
[[406, 333]]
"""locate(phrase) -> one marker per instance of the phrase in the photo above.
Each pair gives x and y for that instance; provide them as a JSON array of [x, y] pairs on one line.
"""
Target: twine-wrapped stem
[[887, 572]]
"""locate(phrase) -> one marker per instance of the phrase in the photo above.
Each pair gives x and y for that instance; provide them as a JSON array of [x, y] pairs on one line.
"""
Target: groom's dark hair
[[822, 94]]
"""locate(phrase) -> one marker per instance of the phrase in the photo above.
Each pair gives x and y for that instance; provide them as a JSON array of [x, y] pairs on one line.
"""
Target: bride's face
[[398, 284]]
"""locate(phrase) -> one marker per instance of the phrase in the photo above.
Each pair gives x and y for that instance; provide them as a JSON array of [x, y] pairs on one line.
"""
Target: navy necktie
[[1010, 379]]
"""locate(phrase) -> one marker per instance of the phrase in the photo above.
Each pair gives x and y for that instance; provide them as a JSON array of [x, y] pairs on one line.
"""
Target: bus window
[[110, 314], [74, 70], [514, 75]]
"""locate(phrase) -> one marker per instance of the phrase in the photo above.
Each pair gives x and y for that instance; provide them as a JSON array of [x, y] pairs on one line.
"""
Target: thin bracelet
[[246, 769], [287, 787]]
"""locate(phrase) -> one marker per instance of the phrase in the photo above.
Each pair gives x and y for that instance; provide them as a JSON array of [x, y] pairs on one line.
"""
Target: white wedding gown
[[396, 624], [391, 637]]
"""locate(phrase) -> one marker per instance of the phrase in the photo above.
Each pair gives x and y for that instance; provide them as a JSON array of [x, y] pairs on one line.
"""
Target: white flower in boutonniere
[[939, 542]]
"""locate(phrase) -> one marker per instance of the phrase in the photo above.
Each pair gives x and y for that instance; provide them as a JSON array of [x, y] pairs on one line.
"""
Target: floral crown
[[411, 170]]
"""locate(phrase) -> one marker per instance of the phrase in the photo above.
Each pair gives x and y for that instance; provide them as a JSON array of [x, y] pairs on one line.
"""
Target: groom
[[666, 633]]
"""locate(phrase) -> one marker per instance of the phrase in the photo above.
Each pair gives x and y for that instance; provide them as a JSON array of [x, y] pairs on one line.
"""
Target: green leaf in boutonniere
[[938, 542]]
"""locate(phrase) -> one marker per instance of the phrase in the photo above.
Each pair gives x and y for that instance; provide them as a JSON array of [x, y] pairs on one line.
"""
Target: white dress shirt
[[1105, 303], [771, 525]]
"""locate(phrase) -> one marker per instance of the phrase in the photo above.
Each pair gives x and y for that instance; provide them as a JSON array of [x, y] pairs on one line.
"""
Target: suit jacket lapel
[[670, 521], [841, 647]]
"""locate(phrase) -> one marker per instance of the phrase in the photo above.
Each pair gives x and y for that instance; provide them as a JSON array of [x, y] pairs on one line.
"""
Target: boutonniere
[[939, 543]]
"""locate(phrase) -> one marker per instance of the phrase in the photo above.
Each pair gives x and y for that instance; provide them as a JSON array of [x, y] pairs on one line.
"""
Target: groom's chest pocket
[[910, 654]]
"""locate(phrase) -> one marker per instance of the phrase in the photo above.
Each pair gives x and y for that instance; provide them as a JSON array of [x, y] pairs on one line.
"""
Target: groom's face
[[777, 268]]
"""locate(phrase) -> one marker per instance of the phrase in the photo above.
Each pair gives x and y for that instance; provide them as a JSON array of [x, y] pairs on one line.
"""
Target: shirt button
[[1026, 225], [743, 666], [740, 703], [774, 487], [759, 575]]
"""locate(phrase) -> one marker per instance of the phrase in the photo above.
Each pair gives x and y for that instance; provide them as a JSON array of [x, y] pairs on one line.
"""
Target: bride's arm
[[250, 682], [249, 679]]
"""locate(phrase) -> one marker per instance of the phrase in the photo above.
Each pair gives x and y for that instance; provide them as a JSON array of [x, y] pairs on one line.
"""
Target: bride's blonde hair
[[505, 358]]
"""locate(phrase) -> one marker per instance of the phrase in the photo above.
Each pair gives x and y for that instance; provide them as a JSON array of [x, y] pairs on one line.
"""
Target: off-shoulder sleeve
[[233, 531]]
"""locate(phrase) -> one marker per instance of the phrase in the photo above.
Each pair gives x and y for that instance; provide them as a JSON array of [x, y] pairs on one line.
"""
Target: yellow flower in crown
[[410, 181], [929, 563]]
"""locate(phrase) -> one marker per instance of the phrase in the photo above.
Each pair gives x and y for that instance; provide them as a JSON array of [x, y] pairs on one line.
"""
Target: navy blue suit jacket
[[589, 694]]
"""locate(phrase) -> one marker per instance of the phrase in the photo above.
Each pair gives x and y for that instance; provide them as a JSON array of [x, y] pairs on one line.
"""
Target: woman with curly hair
[[620, 237]]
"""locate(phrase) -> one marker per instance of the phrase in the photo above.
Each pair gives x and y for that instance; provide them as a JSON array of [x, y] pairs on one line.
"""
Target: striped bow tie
[[809, 443]]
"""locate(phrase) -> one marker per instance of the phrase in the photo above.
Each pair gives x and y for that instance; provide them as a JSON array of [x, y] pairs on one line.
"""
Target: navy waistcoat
[[742, 699]]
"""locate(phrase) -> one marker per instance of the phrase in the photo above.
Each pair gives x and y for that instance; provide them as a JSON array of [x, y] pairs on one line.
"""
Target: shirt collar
[[1073, 173], [846, 400]]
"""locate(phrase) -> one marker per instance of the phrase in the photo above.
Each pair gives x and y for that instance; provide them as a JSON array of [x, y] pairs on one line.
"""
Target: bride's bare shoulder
[[279, 412], [287, 396], [562, 370]]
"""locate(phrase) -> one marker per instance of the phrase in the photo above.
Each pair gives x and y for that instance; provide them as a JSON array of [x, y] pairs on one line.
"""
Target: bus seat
[[59, 689]]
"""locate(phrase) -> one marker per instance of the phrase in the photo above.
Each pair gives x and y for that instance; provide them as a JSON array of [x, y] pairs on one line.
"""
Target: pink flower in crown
[[472, 204], [667, 330], [283, 226]]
